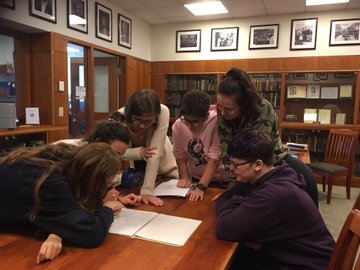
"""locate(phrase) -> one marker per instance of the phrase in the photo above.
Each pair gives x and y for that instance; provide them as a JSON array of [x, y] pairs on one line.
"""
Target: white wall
[[164, 38], [141, 30]]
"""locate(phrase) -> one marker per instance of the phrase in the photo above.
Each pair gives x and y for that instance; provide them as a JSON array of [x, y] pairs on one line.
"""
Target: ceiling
[[173, 11]]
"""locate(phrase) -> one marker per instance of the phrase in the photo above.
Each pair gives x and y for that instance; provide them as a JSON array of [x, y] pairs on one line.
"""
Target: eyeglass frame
[[237, 165], [226, 110], [195, 123], [138, 122]]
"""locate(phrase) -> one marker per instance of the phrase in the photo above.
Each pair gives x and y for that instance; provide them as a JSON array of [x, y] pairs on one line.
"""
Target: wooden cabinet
[[11, 139]]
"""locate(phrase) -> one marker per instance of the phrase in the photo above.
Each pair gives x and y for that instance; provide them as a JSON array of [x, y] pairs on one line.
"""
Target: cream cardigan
[[163, 163]]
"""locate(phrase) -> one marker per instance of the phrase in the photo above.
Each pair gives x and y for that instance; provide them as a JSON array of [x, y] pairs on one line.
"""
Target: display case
[[320, 98], [176, 86]]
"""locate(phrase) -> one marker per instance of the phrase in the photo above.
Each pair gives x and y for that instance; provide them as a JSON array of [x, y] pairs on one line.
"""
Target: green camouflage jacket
[[267, 122]]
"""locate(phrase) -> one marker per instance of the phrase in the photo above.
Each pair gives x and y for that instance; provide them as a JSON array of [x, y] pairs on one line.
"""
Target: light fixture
[[324, 2], [206, 8]]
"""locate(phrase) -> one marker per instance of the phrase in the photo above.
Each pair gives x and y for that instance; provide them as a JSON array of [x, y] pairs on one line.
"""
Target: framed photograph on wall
[[263, 37], [188, 40], [43, 9], [300, 76], [344, 32], [103, 20], [224, 39], [8, 3], [320, 76], [303, 34], [77, 15], [125, 31]]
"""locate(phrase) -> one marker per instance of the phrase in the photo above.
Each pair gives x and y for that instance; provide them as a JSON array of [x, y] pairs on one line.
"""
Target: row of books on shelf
[[174, 84], [266, 84], [272, 97], [315, 143], [176, 98]]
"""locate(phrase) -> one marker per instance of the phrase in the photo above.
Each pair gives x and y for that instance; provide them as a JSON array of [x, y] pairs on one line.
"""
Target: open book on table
[[153, 226], [169, 188]]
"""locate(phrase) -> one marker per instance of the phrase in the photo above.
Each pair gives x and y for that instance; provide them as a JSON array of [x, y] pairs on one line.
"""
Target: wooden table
[[202, 251]]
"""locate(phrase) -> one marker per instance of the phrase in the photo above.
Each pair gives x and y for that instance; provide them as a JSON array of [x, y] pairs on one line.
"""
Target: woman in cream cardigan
[[150, 149]]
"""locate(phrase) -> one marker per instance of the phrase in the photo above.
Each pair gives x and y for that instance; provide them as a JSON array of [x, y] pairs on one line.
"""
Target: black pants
[[301, 167]]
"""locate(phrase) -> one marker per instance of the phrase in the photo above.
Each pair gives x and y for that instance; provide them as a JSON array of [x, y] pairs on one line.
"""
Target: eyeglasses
[[194, 123], [237, 165], [138, 122], [225, 110]]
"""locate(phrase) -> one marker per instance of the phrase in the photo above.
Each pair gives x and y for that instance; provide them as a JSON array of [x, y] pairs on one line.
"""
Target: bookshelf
[[269, 86], [176, 85]]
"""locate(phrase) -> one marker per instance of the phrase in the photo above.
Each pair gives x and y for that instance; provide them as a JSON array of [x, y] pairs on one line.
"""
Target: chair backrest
[[341, 147], [347, 245], [357, 203]]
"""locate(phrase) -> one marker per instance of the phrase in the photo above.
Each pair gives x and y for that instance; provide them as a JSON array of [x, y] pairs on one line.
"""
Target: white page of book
[[169, 188], [169, 229], [129, 221]]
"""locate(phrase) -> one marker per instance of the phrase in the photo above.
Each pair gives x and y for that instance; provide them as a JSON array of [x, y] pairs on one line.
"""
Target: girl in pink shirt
[[196, 144]]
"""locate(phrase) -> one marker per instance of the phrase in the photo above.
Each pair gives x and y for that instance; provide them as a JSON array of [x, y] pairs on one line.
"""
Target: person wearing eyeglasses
[[197, 145], [241, 107], [268, 211], [150, 149]]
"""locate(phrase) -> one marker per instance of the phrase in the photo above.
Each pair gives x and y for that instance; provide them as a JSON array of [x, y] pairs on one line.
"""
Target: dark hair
[[237, 84], [116, 116], [88, 169], [142, 102], [109, 131], [252, 144], [195, 103]]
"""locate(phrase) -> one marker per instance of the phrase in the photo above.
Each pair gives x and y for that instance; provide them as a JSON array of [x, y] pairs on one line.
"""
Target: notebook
[[152, 226], [169, 188]]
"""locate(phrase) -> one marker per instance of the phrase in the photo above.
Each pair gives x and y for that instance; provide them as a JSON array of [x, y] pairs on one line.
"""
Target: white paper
[[329, 92], [345, 91], [340, 118], [169, 229], [129, 221], [32, 116], [324, 116], [310, 115], [169, 188]]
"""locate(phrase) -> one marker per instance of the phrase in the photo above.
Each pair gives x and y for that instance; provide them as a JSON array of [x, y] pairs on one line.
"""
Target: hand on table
[[115, 205], [152, 199], [195, 194], [183, 183], [111, 195], [49, 249]]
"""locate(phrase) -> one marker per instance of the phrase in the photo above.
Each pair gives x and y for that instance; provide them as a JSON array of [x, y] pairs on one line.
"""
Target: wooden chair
[[347, 245], [339, 159], [357, 203]]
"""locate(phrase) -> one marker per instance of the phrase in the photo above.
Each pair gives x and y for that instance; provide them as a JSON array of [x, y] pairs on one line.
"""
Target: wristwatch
[[201, 187]]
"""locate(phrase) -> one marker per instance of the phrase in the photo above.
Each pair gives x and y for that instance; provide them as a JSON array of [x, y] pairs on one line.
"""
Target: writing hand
[[111, 195], [114, 205]]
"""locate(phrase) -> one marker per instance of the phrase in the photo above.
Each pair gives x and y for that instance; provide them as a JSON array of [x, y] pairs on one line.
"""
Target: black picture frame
[[103, 22], [43, 9], [320, 76], [125, 31], [344, 75], [8, 4], [188, 40], [263, 36], [344, 32], [77, 15], [300, 76], [224, 39], [303, 34]]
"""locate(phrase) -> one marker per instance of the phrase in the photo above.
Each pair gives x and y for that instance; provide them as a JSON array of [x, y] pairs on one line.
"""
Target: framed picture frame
[[263, 36], [303, 34], [77, 15], [329, 92], [300, 76], [8, 3], [188, 40], [313, 91], [103, 22], [320, 76], [43, 9], [343, 74], [125, 31], [344, 32], [296, 91], [224, 39]]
